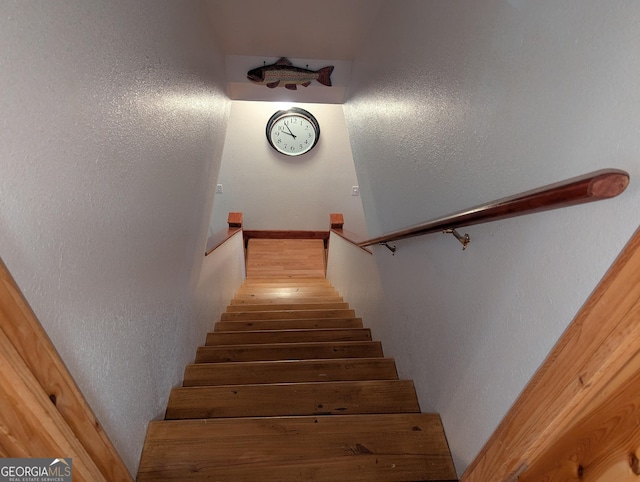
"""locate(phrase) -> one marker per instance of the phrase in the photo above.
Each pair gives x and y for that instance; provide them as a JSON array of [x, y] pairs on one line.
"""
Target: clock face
[[293, 132]]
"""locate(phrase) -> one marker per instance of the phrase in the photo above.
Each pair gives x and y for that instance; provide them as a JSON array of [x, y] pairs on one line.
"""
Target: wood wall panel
[[600, 446], [582, 376], [48, 390], [30, 425]]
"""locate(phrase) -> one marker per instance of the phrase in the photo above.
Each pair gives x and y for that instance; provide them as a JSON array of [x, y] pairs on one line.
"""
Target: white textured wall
[[113, 119], [461, 102], [354, 273], [274, 191]]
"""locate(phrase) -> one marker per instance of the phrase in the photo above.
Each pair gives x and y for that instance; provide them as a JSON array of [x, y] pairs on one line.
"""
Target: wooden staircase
[[290, 387]]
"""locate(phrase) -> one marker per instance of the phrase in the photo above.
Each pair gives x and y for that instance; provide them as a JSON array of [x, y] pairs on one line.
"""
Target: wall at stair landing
[[458, 103], [113, 120], [279, 192]]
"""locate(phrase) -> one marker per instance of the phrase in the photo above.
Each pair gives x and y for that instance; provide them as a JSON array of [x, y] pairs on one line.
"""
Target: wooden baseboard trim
[[286, 234]]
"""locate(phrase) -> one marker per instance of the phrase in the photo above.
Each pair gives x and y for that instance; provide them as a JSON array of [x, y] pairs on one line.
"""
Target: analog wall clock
[[293, 132]]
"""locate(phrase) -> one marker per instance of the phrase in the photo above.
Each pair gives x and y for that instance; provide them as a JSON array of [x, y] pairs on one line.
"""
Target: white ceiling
[[314, 33]]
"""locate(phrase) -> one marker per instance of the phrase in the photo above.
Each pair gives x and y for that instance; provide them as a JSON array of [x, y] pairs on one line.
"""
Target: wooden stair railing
[[594, 186], [42, 411], [290, 387]]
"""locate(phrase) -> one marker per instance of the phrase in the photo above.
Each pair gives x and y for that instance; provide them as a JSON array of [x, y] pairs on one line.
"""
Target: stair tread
[[282, 399], [366, 448], [288, 351], [285, 258], [321, 370], [287, 336]]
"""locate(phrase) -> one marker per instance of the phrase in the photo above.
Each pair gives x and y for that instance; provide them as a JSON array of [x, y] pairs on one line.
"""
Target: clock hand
[[290, 133], [287, 133]]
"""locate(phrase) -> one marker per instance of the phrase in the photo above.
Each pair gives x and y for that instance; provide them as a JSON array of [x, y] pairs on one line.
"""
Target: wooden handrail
[[337, 227], [594, 186]]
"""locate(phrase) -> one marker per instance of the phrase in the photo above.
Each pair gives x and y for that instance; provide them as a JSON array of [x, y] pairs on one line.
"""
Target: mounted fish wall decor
[[284, 74]]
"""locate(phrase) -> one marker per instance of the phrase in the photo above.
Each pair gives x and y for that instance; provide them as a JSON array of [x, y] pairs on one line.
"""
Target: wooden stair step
[[277, 282], [287, 336], [293, 285], [353, 448], [304, 271], [288, 351], [286, 314], [303, 324], [286, 283], [281, 299], [285, 278], [293, 295], [290, 371], [285, 258], [285, 290], [288, 306], [288, 399]]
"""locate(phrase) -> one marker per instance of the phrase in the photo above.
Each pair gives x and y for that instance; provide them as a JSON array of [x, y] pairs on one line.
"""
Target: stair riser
[[288, 324], [284, 283], [286, 292], [204, 374], [276, 300], [286, 336], [288, 306], [293, 287], [286, 315], [288, 351], [331, 398]]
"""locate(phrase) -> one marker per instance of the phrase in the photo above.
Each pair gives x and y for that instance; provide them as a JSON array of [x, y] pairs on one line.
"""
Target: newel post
[[337, 220], [234, 220]]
